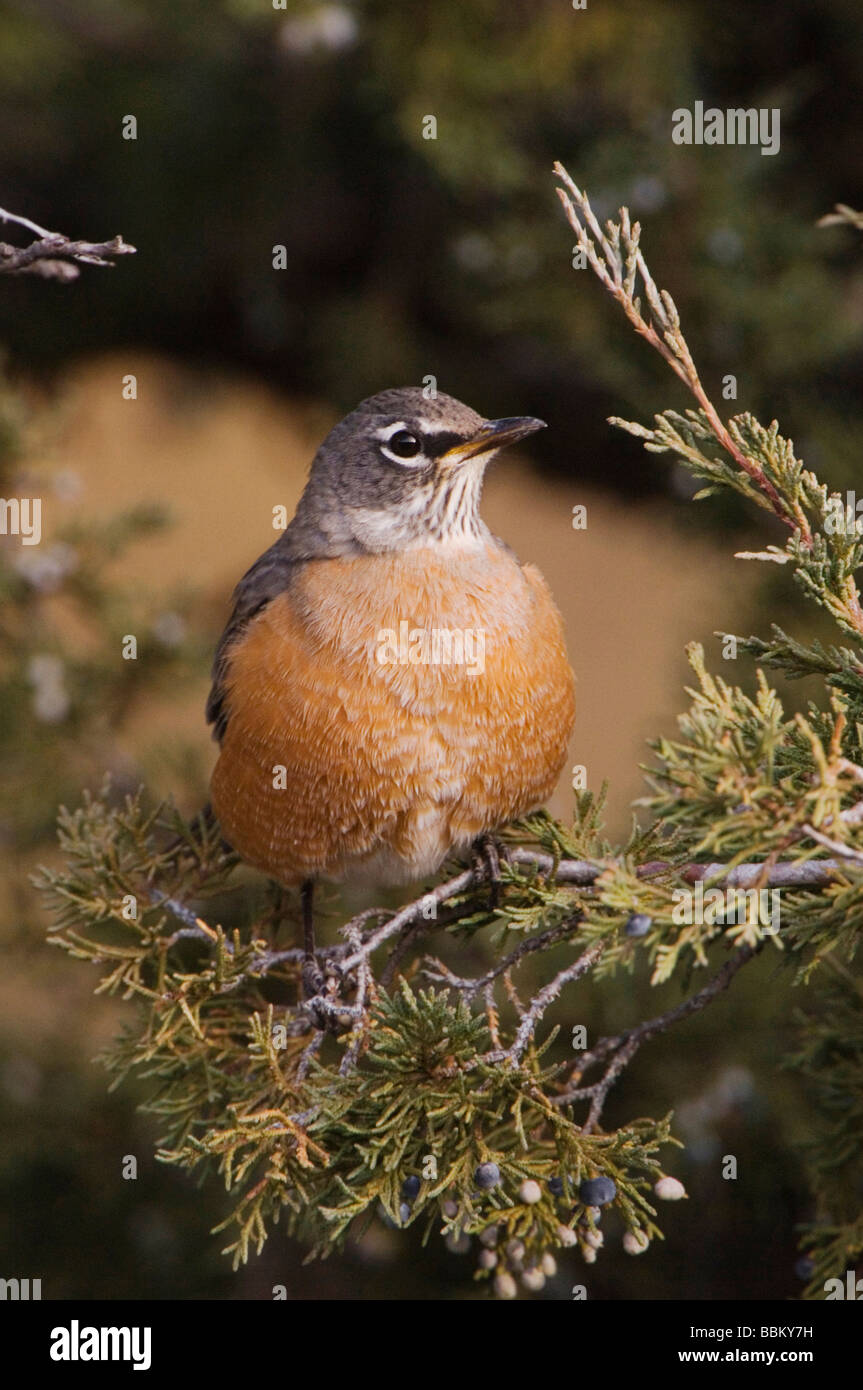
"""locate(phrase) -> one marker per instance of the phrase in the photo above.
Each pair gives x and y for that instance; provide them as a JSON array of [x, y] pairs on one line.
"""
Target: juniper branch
[[355, 954], [357, 951], [618, 266], [622, 1047]]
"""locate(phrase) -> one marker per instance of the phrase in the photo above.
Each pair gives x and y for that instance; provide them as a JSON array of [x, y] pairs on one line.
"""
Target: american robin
[[392, 685]]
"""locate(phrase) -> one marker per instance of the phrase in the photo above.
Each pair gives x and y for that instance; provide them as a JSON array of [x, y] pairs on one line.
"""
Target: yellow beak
[[494, 434]]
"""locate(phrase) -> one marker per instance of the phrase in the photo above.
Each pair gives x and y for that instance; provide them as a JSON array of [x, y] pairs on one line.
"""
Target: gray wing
[[268, 577]]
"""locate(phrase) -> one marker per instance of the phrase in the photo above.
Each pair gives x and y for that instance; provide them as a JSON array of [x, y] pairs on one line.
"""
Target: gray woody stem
[[54, 256]]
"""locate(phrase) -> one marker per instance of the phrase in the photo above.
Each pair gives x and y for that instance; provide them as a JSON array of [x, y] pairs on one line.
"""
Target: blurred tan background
[[220, 452]]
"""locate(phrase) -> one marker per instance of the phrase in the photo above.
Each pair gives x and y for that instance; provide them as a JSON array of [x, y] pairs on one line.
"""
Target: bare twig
[[512, 993], [196, 929], [365, 983], [25, 222], [622, 1047], [841, 216], [843, 851], [814, 873], [54, 256], [529, 1017], [548, 994], [470, 987], [414, 912]]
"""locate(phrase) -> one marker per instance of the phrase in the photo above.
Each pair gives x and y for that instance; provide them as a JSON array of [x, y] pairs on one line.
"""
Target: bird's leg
[[313, 977], [487, 854], [307, 896]]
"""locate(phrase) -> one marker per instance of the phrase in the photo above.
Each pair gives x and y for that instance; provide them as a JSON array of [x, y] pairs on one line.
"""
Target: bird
[[392, 686]]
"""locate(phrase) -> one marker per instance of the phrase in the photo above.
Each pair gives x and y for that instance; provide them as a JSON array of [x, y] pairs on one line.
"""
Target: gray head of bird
[[403, 470]]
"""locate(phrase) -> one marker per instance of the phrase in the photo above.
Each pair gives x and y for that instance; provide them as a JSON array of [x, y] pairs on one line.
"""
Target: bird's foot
[[314, 978], [326, 991], [487, 855]]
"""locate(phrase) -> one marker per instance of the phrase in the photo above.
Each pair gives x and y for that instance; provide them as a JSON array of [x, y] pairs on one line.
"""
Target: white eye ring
[[394, 448]]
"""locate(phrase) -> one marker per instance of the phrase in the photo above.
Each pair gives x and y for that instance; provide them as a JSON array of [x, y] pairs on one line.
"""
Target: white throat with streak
[[443, 512]]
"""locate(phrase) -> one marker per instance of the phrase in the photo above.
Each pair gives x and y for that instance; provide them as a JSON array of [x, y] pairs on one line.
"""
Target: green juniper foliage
[[408, 1090]]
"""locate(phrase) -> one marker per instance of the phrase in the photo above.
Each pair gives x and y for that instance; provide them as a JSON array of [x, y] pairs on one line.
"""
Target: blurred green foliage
[[303, 127]]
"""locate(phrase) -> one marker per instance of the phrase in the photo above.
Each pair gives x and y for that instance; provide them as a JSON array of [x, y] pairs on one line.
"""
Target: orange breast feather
[[356, 745]]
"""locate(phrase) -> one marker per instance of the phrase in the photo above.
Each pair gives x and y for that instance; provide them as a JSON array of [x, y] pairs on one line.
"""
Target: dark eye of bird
[[404, 444]]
